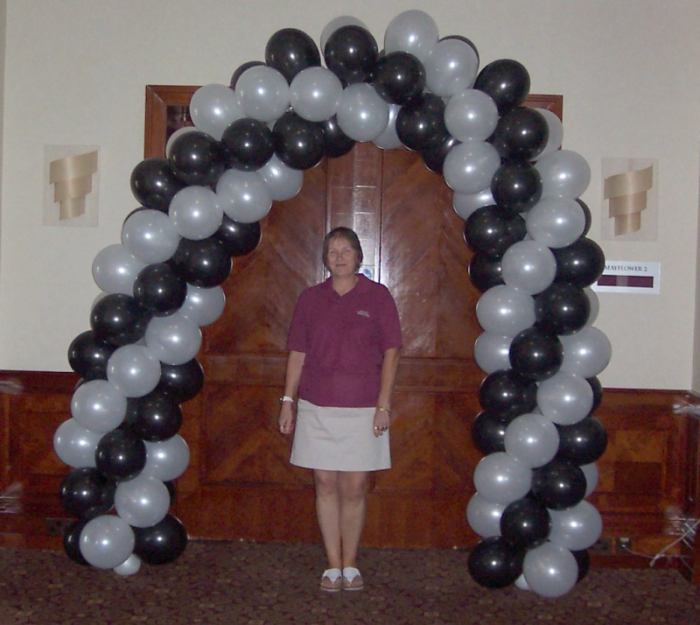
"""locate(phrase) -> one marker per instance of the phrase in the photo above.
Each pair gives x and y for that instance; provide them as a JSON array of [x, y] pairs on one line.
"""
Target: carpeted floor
[[256, 584]]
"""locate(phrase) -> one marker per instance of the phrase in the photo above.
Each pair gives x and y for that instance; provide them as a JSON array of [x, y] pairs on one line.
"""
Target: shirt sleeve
[[390, 326], [298, 336]]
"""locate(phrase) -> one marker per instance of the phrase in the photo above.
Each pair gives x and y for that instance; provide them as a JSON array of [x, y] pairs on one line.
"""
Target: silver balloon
[[75, 445], [471, 115], [133, 370], [244, 195], [174, 339], [469, 167], [595, 305], [389, 139], [168, 459], [115, 268], [521, 583], [575, 528], [586, 353], [106, 541], [505, 311], [282, 182], [555, 221], [465, 204], [565, 398], [528, 266], [532, 439], [98, 405], [335, 24], [556, 132], [484, 516], [564, 173], [314, 93], [450, 67], [176, 135], [592, 476], [362, 113], [150, 236], [412, 31], [550, 570], [501, 478], [142, 501], [214, 108], [203, 306], [263, 93], [130, 566], [196, 212], [491, 352]]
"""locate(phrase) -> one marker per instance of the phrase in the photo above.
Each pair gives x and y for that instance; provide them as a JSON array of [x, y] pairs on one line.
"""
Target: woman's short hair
[[342, 233]]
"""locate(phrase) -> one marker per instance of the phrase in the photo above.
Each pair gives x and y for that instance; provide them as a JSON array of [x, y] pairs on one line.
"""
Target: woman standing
[[343, 344]]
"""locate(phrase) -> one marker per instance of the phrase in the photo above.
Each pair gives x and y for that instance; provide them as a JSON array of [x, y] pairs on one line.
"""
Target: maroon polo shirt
[[344, 338]]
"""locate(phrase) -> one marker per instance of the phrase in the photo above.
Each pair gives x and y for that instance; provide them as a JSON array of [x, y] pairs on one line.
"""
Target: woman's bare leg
[[328, 513], [352, 486]]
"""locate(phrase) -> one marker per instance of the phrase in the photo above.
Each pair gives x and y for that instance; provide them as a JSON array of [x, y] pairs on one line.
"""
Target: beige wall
[[75, 73]]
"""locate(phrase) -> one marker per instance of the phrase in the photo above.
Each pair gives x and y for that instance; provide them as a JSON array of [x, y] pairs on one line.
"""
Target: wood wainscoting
[[648, 475]]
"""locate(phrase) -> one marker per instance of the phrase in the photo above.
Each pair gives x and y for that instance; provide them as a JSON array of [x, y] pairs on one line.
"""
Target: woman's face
[[342, 258]]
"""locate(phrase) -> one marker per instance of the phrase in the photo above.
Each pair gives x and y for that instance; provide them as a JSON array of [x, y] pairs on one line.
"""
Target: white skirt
[[338, 439]]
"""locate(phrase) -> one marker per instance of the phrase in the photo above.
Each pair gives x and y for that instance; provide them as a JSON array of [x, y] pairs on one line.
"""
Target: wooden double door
[[240, 483]]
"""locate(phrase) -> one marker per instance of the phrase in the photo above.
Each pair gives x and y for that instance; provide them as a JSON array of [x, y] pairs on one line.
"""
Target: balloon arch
[[516, 190]]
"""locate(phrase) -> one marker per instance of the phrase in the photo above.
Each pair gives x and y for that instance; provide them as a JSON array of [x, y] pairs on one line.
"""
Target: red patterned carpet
[[260, 584]]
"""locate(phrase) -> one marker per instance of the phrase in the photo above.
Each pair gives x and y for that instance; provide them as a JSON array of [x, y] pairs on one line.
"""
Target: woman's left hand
[[381, 422]]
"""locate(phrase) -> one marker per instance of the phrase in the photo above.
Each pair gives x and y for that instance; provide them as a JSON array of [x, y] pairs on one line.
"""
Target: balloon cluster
[[201, 204]]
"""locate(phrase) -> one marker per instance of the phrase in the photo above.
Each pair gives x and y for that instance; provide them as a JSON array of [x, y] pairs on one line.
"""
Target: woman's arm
[[388, 376], [295, 363]]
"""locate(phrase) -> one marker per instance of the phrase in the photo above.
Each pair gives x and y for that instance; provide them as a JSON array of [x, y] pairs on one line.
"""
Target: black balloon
[[597, 392], [420, 124], [86, 493], [434, 158], [160, 543], [172, 491], [120, 454], [154, 417], [559, 484], [335, 141], [507, 394], [119, 319], [536, 354], [238, 239], [71, 542], [587, 215], [562, 308], [248, 144], [159, 289], [154, 183], [489, 431], [492, 231], [399, 77], [580, 263], [290, 50], [241, 69], [351, 54], [516, 187], [88, 357], [485, 271], [583, 442], [583, 559], [298, 142], [196, 158], [204, 263], [494, 563], [521, 134], [525, 523], [506, 81], [182, 382]]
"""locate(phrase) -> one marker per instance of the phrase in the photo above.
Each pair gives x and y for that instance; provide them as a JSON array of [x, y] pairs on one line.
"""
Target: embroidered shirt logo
[[363, 313]]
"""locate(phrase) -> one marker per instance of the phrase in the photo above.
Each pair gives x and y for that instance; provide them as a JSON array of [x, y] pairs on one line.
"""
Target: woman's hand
[[381, 422], [286, 418]]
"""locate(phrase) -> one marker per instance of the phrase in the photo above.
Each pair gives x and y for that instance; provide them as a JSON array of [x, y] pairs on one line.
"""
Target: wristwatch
[[286, 399]]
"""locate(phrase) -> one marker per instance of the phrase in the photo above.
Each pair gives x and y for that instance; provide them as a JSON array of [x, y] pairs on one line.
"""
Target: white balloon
[[412, 31], [196, 212], [586, 352], [592, 476], [484, 516], [389, 139], [282, 182], [150, 236], [491, 352], [550, 570], [501, 478], [115, 268], [576, 528], [505, 311], [244, 195], [556, 132], [175, 340], [134, 370], [465, 204], [98, 405], [203, 306], [168, 459], [315, 93], [130, 566], [263, 93], [532, 439], [595, 305], [469, 167], [75, 445], [214, 108], [528, 266], [362, 113], [450, 67], [106, 541], [471, 115], [564, 173], [565, 398], [142, 501], [555, 221]]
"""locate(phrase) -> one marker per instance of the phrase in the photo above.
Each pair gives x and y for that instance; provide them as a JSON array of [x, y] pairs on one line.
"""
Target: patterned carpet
[[261, 584]]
